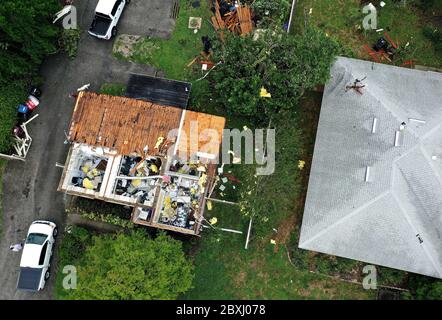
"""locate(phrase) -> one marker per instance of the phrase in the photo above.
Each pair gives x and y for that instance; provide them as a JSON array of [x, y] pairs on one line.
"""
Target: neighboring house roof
[[129, 125], [394, 218]]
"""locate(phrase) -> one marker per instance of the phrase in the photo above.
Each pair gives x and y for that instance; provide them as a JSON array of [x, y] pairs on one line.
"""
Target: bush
[[69, 41], [27, 35], [73, 245], [10, 97], [425, 288], [102, 211], [131, 267], [269, 11], [435, 36]]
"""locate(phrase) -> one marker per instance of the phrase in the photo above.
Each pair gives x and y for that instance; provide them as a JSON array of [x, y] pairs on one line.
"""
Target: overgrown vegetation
[[27, 35], [2, 168], [70, 252], [270, 63], [69, 41], [113, 89], [102, 211], [154, 269], [10, 97]]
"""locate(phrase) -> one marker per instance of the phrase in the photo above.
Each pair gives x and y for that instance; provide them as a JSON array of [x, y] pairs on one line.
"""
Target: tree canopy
[[26, 36], [284, 65], [131, 267]]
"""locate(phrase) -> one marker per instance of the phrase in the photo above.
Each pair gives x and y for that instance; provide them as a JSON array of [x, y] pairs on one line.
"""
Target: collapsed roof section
[[375, 187], [133, 126], [160, 160]]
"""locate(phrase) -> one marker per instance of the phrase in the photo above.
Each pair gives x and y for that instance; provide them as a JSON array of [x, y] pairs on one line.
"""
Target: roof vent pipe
[[374, 127]]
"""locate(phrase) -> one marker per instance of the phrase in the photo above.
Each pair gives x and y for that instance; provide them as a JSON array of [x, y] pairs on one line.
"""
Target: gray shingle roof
[[382, 220]]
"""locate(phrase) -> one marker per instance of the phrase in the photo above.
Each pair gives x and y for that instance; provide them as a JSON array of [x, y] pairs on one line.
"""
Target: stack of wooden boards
[[237, 20]]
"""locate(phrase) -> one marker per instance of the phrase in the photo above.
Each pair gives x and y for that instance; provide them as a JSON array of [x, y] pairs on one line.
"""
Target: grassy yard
[[173, 55], [343, 20]]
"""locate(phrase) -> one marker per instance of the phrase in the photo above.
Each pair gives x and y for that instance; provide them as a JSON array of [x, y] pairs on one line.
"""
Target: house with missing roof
[[375, 188], [122, 151]]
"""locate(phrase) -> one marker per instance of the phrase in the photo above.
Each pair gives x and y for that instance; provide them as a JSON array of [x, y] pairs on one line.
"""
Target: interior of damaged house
[[142, 154]]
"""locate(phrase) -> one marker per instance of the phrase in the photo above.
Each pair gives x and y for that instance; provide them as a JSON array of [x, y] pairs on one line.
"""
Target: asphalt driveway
[[29, 188]]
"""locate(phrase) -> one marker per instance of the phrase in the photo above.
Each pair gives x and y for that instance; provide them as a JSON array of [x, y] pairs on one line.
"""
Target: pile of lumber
[[238, 21]]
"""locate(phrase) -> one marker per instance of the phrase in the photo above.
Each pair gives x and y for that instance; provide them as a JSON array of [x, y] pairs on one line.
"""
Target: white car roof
[[40, 228], [105, 6], [31, 256]]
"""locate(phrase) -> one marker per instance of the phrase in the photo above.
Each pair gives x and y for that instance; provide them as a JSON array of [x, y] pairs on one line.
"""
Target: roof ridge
[[436, 265], [347, 216]]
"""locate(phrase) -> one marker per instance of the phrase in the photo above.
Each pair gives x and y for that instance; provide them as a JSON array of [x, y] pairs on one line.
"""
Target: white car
[[35, 259], [107, 15]]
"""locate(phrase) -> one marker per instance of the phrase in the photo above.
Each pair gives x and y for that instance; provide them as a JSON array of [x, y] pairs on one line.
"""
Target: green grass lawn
[[173, 55], [113, 89], [343, 20]]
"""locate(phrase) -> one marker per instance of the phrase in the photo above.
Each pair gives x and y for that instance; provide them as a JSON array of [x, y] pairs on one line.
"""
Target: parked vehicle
[[107, 15], [35, 259]]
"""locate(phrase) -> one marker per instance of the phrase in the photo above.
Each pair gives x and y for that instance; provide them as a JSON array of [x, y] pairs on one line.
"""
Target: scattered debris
[[263, 93], [301, 164], [232, 17], [357, 86], [83, 88]]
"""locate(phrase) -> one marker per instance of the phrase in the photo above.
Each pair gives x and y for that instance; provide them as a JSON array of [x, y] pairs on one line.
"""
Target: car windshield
[[36, 238]]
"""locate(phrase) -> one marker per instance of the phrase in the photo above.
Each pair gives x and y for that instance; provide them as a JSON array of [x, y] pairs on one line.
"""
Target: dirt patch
[[124, 45]]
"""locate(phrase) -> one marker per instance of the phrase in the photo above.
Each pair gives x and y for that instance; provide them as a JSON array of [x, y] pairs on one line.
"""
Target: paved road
[[30, 187]]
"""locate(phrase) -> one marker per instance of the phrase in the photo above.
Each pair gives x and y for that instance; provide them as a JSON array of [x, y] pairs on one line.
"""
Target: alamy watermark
[[70, 280], [370, 281], [237, 147], [68, 17]]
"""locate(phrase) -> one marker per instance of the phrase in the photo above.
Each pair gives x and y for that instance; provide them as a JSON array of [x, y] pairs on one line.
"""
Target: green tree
[[26, 36], [131, 267], [10, 96], [285, 65], [424, 288]]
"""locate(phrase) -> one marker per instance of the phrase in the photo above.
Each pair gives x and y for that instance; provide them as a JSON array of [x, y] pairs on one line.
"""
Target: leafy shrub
[[435, 36], [103, 212], [69, 41], [27, 35], [424, 288], [271, 10], [10, 97], [132, 267], [73, 245]]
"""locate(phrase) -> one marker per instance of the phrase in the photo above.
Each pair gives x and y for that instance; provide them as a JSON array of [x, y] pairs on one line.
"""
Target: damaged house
[[160, 160]]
